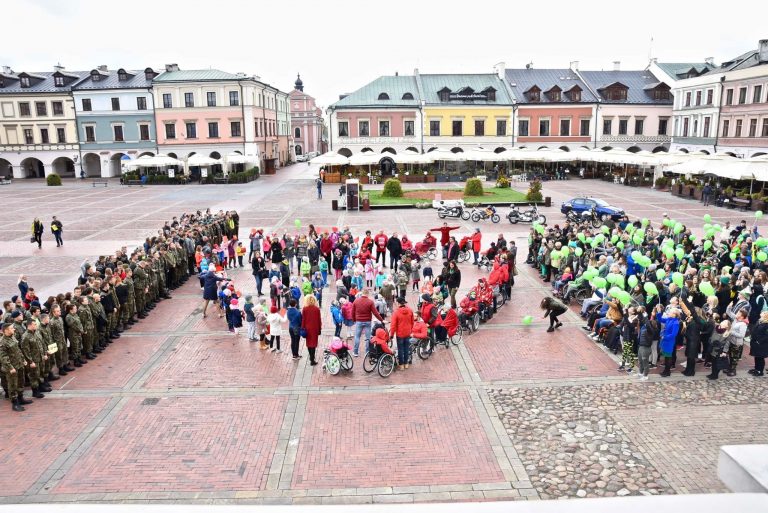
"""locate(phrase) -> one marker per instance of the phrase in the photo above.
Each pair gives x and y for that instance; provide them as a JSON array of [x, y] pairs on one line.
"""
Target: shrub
[[53, 179], [534, 192], [502, 183], [392, 189], [473, 187], [661, 182]]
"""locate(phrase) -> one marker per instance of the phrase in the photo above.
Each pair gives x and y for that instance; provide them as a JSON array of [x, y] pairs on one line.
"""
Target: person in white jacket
[[738, 332], [274, 320]]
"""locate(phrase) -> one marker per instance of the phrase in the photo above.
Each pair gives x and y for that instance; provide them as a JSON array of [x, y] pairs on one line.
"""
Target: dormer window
[[407, 96], [122, 75], [661, 94], [615, 92], [58, 80], [383, 96], [490, 94], [24, 81], [444, 94], [149, 74], [533, 94], [95, 76], [574, 93], [554, 94]]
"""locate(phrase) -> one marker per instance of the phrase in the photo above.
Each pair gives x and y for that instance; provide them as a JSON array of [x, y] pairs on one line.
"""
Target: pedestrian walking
[[37, 232], [311, 326], [57, 228]]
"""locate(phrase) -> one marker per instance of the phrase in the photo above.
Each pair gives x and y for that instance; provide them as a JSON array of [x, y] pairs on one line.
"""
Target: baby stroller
[[337, 357]]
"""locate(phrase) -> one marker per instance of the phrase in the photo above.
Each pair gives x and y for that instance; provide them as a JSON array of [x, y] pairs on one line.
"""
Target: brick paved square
[[182, 444], [683, 443], [393, 439], [531, 352], [114, 367], [32, 440], [169, 314], [222, 361]]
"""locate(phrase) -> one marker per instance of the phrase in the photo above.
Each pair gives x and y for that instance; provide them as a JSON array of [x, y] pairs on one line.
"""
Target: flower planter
[[688, 191], [757, 204], [429, 178], [697, 192]]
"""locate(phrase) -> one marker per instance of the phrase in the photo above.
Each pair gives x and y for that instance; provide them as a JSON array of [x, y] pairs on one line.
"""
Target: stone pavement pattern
[[180, 410]]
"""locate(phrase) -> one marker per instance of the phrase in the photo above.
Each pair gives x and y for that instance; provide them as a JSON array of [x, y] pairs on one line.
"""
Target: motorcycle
[[485, 213], [453, 211], [531, 215], [588, 216]]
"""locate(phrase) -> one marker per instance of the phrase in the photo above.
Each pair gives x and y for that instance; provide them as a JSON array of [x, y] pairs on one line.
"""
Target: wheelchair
[[376, 359], [337, 358]]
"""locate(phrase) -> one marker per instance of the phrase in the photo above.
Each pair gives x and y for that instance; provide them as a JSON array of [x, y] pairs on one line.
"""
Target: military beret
[[15, 314], [5, 325]]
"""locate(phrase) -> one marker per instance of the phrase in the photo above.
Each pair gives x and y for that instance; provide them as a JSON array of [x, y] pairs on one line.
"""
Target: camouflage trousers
[[62, 355], [13, 383]]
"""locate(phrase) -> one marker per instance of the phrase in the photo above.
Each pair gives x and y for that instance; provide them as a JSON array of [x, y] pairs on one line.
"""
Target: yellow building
[[465, 111], [38, 132]]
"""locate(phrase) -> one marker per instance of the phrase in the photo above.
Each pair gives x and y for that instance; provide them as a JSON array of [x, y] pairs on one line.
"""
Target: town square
[[494, 286]]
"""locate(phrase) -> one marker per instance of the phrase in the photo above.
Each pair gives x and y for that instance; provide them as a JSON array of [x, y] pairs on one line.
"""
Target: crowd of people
[[649, 291], [43, 339]]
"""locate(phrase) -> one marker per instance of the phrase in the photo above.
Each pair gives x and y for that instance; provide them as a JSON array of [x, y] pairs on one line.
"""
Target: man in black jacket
[[395, 249], [56, 229]]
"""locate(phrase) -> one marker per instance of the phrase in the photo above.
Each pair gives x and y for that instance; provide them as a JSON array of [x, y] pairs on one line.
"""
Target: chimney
[[7, 70], [102, 67], [762, 52], [616, 65], [416, 71], [575, 65], [58, 67], [710, 61], [654, 60], [500, 69], [171, 67], [397, 74]]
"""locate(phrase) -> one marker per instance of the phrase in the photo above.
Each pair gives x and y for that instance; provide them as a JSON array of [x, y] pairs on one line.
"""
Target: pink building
[[306, 122]]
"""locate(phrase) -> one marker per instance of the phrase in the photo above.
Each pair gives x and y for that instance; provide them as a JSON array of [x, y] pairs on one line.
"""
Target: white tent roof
[[330, 159], [365, 159], [201, 160], [157, 161]]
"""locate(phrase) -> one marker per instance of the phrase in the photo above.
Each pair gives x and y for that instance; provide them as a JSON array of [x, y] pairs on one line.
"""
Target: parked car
[[302, 158], [312, 154], [602, 208]]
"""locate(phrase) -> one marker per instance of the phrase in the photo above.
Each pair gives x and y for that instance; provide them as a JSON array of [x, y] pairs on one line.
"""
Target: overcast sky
[[338, 46]]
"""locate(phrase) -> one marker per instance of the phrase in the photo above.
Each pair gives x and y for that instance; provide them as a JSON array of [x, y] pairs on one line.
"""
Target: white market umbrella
[[330, 159], [708, 164], [156, 161], [202, 161], [413, 157], [364, 159]]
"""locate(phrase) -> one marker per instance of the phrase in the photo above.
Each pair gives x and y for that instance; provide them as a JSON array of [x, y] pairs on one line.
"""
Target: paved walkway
[[178, 409]]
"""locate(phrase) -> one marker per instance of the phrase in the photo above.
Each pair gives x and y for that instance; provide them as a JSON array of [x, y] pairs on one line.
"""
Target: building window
[[189, 100], [364, 128], [617, 93], [24, 109], [408, 128], [753, 127], [24, 81], [726, 126], [584, 127], [698, 97], [383, 96], [575, 95], [234, 127], [234, 98], [710, 94], [297, 133], [58, 81], [688, 99], [115, 103], [44, 136], [623, 126], [695, 128], [213, 130], [144, 132], [58, 108], [565, 127], [765, 127], [607, 126], [211, 98], [191, 130], [757, 94], [661, 94], [28, 137], [457, 128], [663, 122], [141, 103], [501, 127], [167, 101], [170, 131], [479, 127], [685, 127], [343, 128], [407, 96], [543, 128], [738, 128], [41, 109], [434, 128], [707, 121], [742, 95], [522, 128], [729, 97], [87, 105], [61, 135], [639, 126], [118, 132], [383, 128]]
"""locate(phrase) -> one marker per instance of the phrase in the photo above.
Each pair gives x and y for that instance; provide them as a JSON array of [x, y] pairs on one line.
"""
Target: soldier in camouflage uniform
[[30, 346], [89, 327], [140, 289], [101, 320], [96, 311], [57, 335], [44, 331], [12, 365], [75, 335], [131, 295]]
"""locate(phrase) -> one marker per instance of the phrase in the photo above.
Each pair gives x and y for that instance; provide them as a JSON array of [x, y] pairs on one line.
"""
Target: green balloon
[[637, 239], [677, 279], [645, 222], [668, 242], [581, 237], [669, 253], [707, 226], [527, 320], [611, 277], [590, 273], [758, 214], [539, 228], [614, 239], [677, 228], [761, 242], [554, 254], [707, 218], [630, 228], [600, 238], [660, 274], [620, 281], [717, 227], [620, 245], [578, 251], [707, 245], [762, 256], [706, 288], [593, 243], [605, 229], [644, 262], [297, 223], [614, 292], [624, 298], [636, 255], [599, 282], [632, 280], [679, 253], [710, 233], [564, 251], [650, 289], [667, 222]]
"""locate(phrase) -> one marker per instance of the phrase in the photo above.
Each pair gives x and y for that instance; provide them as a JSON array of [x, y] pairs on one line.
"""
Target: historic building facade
[[115, 119], [38, 133], [307, 125], [743, 130]]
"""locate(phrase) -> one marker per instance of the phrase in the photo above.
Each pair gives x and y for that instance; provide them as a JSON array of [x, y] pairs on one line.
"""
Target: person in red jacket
[[363, 311], [380, 241], [367, 241], [445, 236], [420, 332], [401, 329], [476, 244], [380, 339]]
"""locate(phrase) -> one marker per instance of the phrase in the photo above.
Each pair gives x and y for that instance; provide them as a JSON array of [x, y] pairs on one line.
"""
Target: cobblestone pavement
[[178, 409]]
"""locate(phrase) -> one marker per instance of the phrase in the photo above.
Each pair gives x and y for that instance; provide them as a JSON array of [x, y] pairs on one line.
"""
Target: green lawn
[[491, 195]]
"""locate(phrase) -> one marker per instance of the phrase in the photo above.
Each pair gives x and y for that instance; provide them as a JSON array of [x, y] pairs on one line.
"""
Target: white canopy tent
[[330, 159], [156, 161]]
